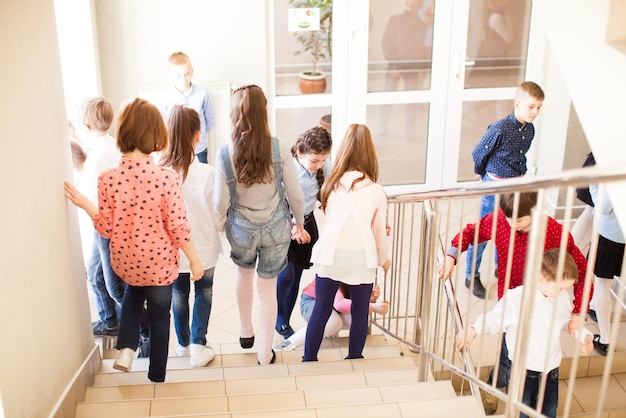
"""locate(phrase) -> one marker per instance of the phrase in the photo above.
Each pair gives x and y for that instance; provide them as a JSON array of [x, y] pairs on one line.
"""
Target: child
[[543, 342], [610, 254], [501, 154], [340, 318], [249, 191], [310, 156], [184, 92], [198, 180], [141, 209], [91, 120], [354, 240], [505, 222]]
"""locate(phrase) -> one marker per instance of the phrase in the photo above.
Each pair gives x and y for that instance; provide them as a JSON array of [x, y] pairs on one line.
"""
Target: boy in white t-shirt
[[543, 348]]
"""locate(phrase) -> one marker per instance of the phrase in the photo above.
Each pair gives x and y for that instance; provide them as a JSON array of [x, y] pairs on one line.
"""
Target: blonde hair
[[550, 262], [179, 58], [96, 112], [531, 88]]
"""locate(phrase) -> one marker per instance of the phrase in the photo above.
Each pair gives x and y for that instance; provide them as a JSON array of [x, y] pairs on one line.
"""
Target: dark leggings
[[325, 290]]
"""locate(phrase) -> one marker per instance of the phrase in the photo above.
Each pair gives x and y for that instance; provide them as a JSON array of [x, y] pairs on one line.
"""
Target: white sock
[[245, 292], [602, 303]]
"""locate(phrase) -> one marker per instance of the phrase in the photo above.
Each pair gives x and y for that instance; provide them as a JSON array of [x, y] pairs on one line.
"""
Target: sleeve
[[490, 322], [379, 228], [341, 303], [103, 223], [483, 150], [209, 116], [467, 235], [581, 263], [174, 213], [292, 185], [607, 206], [221, 194]]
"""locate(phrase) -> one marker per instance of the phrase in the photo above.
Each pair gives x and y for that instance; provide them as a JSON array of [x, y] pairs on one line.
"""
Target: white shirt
[[543, 334], [102, 154], [353, 241], [198, 198]]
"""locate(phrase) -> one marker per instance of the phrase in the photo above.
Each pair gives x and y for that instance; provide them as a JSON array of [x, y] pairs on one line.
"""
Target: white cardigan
[[366, 205]]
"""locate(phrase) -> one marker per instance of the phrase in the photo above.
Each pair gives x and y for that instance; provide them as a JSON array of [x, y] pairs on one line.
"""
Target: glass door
[[426, 76]]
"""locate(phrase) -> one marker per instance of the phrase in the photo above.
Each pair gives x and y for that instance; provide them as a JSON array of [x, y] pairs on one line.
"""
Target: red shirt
[[503, 233], [141, 209]]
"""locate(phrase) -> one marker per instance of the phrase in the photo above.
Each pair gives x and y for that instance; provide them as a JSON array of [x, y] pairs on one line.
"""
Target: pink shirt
[[341, 303], [141, 209]]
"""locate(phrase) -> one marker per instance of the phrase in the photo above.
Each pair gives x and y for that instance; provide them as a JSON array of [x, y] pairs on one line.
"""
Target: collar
[[134, 163]]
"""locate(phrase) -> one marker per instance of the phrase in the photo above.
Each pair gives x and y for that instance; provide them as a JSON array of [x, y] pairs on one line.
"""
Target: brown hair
[[140, 126], [97, 112], [356, 153], [252, 141], [531, 88], [527, 201], [183, 125], [179, 58], [316, 140], [550, 262]]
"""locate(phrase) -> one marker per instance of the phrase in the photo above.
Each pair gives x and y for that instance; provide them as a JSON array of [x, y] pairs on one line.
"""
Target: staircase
[[383, 385]]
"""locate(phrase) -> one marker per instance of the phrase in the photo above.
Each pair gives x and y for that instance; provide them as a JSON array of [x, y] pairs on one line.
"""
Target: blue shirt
[[198, 99], [308, 183], [502, 150]]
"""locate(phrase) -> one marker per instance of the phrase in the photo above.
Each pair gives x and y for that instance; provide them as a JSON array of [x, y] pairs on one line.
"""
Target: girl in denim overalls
[[253, 176]]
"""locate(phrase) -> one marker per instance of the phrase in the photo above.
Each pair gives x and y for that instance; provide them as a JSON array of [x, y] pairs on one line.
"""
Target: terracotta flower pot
[[310, 83]]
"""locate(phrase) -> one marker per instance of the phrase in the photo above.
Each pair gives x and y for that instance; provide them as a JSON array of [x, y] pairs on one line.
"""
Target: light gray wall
[[44, 311]]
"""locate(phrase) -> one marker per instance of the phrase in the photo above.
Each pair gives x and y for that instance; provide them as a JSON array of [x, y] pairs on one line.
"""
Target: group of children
[[157, 229]]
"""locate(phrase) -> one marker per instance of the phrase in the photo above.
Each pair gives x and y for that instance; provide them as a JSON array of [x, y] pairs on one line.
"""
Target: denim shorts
[[269, 241], [306, 306]]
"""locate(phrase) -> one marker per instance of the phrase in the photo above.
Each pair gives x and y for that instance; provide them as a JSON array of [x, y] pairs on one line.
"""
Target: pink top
[[503, 233], [141, 209], [341, 303]]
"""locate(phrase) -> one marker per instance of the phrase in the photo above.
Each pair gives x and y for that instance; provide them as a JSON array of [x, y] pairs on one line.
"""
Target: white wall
[[45, 324]]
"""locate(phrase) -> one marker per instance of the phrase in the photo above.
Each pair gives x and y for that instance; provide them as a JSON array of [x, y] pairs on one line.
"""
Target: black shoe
[[479, 290], [592, 315], [600, 348], [285, 330], [246, 342], [273, 358], [100, 328]]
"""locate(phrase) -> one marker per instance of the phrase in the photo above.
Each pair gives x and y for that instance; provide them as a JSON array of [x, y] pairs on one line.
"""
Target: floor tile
[[417, 391], [260, 385], [339, 396], [182, 389], [189, 406], [389, 410], [586, 391], [114, 393], [119, 409], [266, 401], [327, 381]]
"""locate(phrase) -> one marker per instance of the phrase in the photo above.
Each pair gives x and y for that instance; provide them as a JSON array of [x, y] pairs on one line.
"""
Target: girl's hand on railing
[[388, 229], [464, 339], [386, 265], [446, 269], [380, 307], [375, 293], [587, 346]]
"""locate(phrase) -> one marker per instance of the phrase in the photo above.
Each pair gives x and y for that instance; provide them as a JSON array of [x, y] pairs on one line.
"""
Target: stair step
[[400, 397], [212, 372]]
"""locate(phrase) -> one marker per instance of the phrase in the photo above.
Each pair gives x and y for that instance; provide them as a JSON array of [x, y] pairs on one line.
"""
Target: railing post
[[430, 239]]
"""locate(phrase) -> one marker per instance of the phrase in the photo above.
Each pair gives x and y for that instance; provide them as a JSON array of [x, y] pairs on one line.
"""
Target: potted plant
[[318, 44]]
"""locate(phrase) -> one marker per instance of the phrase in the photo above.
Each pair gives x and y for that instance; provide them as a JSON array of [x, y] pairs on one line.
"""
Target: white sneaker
[[201, 355], [285, 345], [125, 360], [182, 351]]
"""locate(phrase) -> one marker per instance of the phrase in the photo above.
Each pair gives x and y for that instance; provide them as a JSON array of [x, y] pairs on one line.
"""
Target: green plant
[[316, 43]]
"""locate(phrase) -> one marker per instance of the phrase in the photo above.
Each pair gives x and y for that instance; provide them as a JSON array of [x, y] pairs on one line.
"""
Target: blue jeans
[[107, 286], [487, 203], [269, 241], [203, 156], [202, 301], [159, 300], [325, 290], [504, 367], [551, 394]]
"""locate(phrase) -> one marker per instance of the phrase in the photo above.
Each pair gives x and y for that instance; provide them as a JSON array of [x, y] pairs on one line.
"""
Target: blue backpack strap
[[230, 176], [277, 167]]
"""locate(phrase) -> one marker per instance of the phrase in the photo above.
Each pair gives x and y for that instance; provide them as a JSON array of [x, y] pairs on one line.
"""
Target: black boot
[[479, 290]]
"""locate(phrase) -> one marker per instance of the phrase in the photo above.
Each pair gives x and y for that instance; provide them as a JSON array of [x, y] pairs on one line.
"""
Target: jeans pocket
[[238, 235], [553, 376]]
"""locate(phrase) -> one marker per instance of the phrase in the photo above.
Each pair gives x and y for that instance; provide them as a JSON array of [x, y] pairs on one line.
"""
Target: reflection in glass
[[497, 41], [401, 40], [290, 123], [477, 116], [400, 133], [305, 52]]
